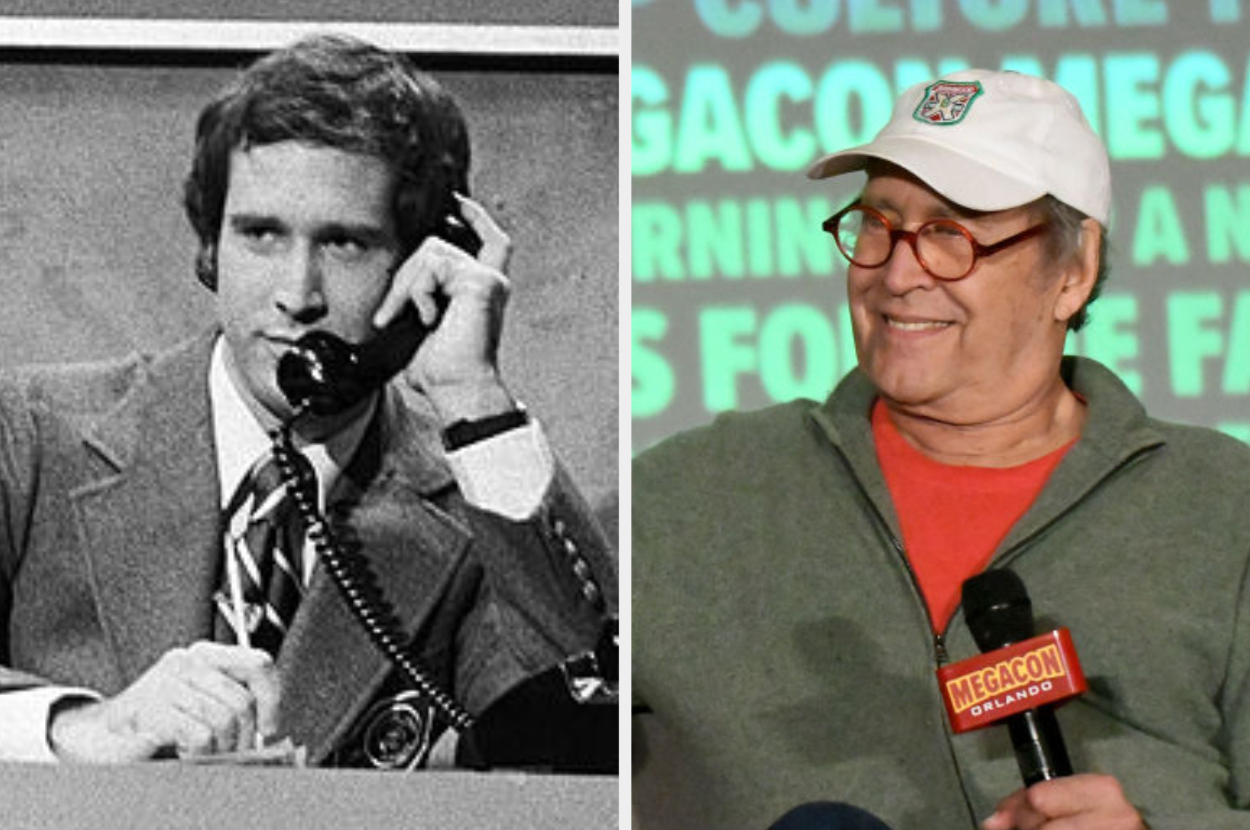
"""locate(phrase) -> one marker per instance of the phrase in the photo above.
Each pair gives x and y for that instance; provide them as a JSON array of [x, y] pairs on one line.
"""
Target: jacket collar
[[155, 444]]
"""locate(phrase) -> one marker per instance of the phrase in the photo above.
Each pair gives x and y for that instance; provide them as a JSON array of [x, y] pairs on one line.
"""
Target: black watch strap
[[465, 432]]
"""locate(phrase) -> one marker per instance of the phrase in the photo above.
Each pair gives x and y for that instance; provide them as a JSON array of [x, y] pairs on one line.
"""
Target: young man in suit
[[324, 181]]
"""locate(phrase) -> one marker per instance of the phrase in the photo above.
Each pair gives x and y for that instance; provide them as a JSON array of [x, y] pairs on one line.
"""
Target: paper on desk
[[283, 753]]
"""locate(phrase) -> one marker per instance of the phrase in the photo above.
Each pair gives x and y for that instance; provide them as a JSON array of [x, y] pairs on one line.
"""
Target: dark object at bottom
[[539, 726], [828, 815]]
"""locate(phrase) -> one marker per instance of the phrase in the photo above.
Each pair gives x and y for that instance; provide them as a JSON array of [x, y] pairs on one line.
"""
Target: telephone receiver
[[324, 374]]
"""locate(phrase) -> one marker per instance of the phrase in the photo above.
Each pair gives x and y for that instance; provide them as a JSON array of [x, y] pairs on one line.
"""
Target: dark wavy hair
[[342, 93]]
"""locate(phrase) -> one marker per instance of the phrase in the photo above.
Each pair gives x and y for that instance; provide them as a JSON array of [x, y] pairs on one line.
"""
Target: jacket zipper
[[940, 655]]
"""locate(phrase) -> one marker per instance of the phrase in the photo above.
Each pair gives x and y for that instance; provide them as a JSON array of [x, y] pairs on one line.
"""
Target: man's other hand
[[1079, 802], [202, 699]]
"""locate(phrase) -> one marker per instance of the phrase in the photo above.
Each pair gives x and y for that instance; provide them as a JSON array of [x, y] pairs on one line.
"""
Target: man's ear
[[206, 266], [1080, 274]]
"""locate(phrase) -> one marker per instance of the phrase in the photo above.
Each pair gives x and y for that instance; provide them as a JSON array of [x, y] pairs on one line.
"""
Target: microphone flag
[[997, 684]]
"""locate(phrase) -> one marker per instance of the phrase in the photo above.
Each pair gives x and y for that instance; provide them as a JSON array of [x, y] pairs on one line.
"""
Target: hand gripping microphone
[[1018, 677]]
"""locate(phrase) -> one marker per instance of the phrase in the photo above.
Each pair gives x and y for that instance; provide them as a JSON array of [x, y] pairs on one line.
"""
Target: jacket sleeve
[[549, 585], [1235, 740]]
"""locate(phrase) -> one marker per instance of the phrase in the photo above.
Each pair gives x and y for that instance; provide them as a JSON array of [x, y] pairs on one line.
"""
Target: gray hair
[[1064, 241]]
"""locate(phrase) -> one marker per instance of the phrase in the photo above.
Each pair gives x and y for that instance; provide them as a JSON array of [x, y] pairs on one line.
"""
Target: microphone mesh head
[[997, 609]]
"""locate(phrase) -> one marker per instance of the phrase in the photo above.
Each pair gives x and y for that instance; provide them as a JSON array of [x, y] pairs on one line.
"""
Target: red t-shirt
[[953, 517]]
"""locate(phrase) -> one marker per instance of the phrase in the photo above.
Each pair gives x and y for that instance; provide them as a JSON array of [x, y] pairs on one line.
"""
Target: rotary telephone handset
[[324, 374]]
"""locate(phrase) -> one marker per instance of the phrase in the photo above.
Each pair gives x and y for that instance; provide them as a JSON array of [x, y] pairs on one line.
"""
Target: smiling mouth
[[916, 325]]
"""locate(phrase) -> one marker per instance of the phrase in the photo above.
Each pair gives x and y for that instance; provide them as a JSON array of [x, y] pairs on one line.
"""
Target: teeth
[[921, 326]]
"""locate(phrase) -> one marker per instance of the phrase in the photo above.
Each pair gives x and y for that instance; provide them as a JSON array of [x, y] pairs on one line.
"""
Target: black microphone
[[999, 614], [828, 815]]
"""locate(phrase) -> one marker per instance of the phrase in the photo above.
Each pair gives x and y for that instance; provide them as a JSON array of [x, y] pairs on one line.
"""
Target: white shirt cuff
[[508, 473], [24, 721]]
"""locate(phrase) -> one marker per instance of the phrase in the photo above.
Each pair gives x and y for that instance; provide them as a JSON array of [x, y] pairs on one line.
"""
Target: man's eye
[[346, 247], [261, 235], [872, 223]]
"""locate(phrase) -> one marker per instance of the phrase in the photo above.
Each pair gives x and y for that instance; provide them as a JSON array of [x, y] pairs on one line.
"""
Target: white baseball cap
[[990, 141]]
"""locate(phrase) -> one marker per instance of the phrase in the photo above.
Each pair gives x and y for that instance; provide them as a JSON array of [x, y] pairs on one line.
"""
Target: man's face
[[307, 242], [964, 351]]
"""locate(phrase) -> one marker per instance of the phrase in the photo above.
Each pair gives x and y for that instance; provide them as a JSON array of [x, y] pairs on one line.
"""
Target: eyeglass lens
[[943, 249]]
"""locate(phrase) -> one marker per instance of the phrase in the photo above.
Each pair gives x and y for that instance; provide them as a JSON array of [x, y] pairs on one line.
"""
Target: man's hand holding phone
[[462, 298]]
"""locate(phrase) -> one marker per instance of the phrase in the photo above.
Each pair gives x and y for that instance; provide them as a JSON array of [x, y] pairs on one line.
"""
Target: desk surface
[[171, 795]]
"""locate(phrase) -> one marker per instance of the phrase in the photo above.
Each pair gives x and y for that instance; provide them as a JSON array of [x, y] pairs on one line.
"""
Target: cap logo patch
[[947, 102]]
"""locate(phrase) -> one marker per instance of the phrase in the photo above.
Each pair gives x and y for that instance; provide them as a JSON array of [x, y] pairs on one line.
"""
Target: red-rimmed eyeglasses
[[944, 248]]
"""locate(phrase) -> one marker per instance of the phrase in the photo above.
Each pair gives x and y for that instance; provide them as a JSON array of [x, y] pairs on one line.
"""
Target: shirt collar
[[240, 440]]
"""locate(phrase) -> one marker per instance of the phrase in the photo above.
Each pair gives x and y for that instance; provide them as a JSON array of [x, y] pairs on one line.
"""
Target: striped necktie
[[265, 539]]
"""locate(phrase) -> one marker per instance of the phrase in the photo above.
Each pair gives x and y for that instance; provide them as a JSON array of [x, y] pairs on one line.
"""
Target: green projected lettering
[[804, 18], [1159, 236], [652, 383], [1237, 368], [782, 114], [867, 16], [795, 350], [730, 19], [1054, 14], [995, 14], [798, 356], [1202, 124], [710, 127], [706, 240], [1133, 113], [807, 18], [1141, 12], [847, 88], [765, 94], [1228, 223], [1204, 328], [657, 243], [651, 144], [737, 19], [722, 333], [1225, 11]]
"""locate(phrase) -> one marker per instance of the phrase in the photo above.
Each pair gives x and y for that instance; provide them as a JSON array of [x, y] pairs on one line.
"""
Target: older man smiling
[[797, 571]]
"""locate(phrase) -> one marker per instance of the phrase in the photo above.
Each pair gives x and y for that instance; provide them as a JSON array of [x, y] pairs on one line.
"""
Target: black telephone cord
[[352, 577]]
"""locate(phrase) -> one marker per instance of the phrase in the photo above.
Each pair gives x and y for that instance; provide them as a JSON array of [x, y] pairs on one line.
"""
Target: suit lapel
[[150, 528], [329, 669]]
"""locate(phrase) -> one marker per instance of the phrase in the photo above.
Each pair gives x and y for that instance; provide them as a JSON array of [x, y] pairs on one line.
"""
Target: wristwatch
[[464, 432]]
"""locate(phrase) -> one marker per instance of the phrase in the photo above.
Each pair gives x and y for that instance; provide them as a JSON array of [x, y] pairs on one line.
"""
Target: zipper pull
[[939, 649]]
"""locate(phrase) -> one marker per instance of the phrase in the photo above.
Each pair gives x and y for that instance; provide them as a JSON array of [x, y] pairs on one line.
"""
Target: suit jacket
[[110, 550]]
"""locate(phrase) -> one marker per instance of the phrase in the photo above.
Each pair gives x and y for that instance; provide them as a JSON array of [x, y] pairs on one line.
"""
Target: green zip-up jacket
[[782, 652]]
